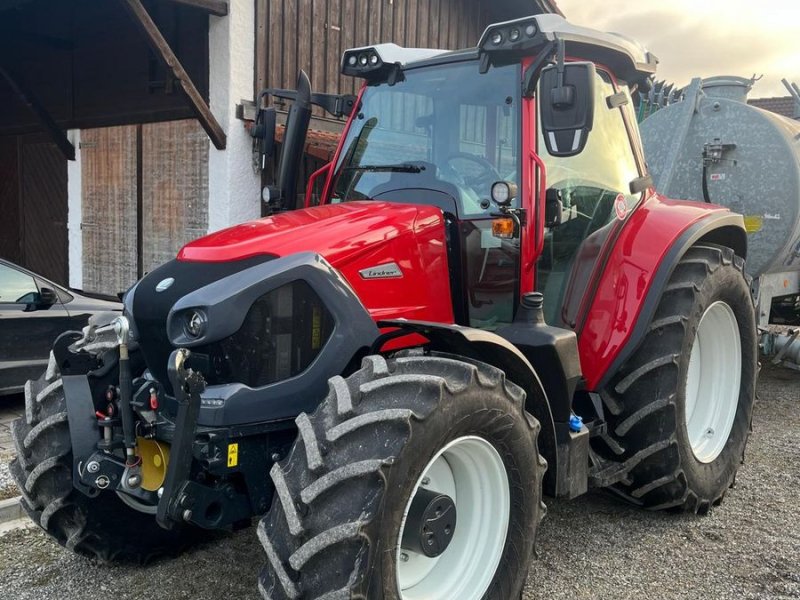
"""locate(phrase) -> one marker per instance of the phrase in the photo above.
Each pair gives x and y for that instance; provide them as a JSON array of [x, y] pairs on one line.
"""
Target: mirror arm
[[531, 77]]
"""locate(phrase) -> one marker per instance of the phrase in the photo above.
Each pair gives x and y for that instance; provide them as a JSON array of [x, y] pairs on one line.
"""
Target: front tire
[[679, 411], [394, 428]]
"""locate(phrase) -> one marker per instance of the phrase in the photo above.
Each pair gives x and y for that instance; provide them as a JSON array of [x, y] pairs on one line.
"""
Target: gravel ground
[[594, 547], [8, 488]]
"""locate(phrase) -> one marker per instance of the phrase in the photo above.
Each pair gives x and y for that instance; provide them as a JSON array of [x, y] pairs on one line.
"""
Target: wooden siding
[[312, 34]]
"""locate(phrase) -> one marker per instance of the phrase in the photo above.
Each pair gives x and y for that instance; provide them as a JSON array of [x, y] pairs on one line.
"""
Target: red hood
[[338, 232], [354, 237]]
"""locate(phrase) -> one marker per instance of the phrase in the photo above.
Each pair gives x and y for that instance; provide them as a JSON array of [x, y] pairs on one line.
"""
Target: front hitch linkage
[[187, 384]]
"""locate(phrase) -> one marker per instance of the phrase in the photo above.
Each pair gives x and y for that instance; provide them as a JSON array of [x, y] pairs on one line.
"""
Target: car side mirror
[[47, 298], [566, 100]]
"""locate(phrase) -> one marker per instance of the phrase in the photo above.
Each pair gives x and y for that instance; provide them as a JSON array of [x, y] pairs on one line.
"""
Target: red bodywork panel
[[353, 236], [648, 235]]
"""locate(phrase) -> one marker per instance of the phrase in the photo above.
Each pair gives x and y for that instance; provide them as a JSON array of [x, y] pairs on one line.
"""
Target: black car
[[33, 313]]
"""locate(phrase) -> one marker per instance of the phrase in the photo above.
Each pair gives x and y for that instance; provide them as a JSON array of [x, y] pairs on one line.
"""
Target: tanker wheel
[[681, 407], [417, 477], [101, 527]]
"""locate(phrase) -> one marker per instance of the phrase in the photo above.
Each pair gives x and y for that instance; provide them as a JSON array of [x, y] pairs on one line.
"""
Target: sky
[[702, 38]]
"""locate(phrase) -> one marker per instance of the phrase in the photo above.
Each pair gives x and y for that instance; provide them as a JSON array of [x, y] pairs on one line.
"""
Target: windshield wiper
[[401, 168]]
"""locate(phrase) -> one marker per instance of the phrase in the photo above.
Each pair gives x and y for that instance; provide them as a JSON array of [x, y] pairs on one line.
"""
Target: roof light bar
[[362, 62], [382, 62], [517, 35]]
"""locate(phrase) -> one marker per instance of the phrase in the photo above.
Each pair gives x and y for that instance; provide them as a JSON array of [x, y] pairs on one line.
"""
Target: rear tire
[[681, 416], [101, 527], [343, 490]]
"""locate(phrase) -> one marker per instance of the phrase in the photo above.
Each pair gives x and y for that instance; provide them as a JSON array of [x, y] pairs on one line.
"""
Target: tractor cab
[[532, 156]]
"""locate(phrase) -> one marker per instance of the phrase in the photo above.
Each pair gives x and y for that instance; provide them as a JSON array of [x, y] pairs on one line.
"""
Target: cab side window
[[594, 188], [16, 287]]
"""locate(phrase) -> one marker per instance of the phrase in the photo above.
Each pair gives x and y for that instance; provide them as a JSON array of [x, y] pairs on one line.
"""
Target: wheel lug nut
[[426, 480], [403, 557]]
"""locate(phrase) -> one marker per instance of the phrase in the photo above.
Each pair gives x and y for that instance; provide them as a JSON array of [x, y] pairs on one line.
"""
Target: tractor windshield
[[444, 129]]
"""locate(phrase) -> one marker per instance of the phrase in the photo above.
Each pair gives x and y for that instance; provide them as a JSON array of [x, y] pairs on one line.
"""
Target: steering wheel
[[481, 181]]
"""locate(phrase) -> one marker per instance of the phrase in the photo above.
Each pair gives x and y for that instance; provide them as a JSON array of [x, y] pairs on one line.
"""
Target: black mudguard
[[490, 348]]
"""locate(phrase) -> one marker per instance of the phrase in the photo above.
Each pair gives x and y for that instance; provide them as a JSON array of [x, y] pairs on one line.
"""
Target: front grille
[[150, 308], [282, 334]]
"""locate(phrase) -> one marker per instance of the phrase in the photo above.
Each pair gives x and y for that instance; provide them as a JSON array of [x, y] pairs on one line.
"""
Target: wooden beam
[[218, 8], [51, 127], [163, 50]]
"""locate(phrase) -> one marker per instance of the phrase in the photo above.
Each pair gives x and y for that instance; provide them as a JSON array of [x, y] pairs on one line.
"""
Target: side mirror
[[553, 208], [263, 134], [47, 298], [566, 100]]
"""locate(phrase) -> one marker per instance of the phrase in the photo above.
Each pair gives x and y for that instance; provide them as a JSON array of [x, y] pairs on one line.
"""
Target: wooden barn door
[[44, 209], [145, 194], [108, 205], [174, 189], [33, 205]]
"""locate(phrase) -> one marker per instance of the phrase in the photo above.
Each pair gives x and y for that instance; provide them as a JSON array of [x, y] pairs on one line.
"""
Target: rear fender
[[484, 346], [636, 272]]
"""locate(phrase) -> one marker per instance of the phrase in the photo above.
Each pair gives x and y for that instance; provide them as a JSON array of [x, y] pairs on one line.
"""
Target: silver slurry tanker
[[713, 147]]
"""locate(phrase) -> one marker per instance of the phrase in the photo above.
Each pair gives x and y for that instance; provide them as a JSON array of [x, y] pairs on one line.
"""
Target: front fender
[[636, 272], [487, 347]]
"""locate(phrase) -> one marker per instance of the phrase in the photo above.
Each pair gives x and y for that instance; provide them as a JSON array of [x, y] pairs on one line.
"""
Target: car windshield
[[447, 129]]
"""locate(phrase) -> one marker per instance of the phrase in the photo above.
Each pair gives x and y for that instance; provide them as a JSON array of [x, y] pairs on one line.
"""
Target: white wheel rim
[[469, 470], [712, 382]]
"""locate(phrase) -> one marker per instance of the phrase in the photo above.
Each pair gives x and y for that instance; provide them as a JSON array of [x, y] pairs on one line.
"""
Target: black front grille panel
[[283, 332], [150, 308]]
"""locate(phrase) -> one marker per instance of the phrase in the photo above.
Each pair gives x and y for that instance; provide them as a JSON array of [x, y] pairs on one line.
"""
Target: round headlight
[[497, 38], [503, 192], [363, 60], [530, 30], [195, 324], [514, 35], [373, 59], [353, 60]]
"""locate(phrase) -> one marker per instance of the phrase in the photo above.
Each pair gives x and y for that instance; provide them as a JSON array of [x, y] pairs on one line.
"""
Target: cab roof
[[626, 58]]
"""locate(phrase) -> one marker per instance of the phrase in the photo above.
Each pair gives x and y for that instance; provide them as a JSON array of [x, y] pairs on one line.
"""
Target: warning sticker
[[621, 207], [233, 455], [717, 177], [753, 223]]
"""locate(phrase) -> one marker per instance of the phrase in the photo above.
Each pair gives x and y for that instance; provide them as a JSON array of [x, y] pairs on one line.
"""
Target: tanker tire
[[333, 528], [646, 401], [101, 527]]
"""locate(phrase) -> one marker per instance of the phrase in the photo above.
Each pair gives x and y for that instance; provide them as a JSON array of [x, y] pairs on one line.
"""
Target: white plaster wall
[[234, 190], [74, 214]]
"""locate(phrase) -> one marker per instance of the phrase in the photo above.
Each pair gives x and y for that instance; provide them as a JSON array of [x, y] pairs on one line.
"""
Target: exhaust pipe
[[294, 139]]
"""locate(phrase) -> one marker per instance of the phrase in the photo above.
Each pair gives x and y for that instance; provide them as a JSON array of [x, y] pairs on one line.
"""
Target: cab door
[[594, 188]]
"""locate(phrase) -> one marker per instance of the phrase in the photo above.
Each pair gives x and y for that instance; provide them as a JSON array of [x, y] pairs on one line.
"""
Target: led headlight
[[195, 323], [503, 192], [497, 38], [514, 35]]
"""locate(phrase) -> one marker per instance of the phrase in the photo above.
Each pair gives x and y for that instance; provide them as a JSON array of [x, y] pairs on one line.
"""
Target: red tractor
[[489, 304]]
